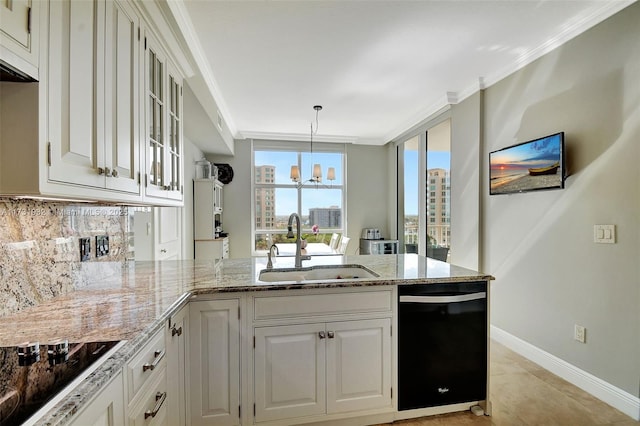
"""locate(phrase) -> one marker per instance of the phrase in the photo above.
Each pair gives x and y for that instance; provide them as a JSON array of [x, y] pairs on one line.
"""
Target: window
[[424, 208], [276, 196]]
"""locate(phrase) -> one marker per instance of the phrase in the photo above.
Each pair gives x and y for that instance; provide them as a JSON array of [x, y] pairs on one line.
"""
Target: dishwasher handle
[[443, 299]]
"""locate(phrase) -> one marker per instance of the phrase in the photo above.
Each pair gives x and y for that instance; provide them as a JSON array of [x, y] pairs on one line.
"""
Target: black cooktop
[[32, 374]]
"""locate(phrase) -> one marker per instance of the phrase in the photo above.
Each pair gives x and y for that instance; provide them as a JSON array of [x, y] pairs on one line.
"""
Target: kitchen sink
[[315, 273]]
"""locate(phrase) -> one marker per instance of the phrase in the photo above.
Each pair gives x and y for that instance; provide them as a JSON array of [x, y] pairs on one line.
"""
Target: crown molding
[[297, 137], [605, 11]]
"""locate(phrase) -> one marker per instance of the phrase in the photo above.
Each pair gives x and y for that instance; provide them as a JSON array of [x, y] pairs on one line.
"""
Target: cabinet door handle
[[100, 171], [331, 334], [176, 331], [321, 334], [160, 397], [163, 251], [114, 173], [158, 357]]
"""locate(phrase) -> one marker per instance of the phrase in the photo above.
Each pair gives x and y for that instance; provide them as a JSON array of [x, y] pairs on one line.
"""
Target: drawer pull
[[176, 331], [160, 397], [158, 355]]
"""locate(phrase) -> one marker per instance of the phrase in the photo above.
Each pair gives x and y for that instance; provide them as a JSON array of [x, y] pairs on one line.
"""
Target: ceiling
[[377, 67]]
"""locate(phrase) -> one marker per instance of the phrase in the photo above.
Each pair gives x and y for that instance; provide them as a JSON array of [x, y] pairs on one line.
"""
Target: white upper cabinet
[[104, 123], [93, 95], [163, 130], [74, 83], [19, 33], [121, 103]]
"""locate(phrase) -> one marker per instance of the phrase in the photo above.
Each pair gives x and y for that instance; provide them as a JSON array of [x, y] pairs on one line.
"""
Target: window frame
[[299, 148], [426, 207]]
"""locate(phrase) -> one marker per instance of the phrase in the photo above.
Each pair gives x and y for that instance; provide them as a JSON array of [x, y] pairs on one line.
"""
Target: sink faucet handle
[[269, 262]]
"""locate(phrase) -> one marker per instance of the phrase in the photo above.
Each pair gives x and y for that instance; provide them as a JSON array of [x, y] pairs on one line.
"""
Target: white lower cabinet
[[298, 356], [358, 365], [177, 361], [106, 409], [322, 368], [214, 352], [290, 371], [321, 354]]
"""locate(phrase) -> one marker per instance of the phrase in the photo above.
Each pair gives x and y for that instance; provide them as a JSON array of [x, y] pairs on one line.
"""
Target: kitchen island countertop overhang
[[133, 300]]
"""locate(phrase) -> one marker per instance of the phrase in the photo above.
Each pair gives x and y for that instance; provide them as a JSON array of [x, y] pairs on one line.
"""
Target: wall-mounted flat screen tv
[[534, 165]]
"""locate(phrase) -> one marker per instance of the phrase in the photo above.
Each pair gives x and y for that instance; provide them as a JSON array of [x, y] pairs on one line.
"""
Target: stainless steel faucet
[[299, 256], [269, 263]]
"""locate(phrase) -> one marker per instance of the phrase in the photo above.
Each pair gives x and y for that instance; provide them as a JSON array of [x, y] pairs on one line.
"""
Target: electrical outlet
[[85, 249], [102, 245], [579, 333]]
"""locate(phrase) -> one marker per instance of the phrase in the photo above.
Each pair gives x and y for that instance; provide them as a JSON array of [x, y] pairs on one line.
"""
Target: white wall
[[367, 189], [191, 154], [366, 194], [539, 246], [466, 140]]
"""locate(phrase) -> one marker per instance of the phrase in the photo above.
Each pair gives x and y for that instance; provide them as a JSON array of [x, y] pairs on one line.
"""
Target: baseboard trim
[[617, 398]]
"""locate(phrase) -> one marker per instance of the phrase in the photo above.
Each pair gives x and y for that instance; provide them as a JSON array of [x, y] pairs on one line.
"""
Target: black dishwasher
[[442, 344]]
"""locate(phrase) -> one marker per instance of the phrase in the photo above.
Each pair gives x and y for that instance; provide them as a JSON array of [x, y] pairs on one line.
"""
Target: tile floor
[[524, 394]]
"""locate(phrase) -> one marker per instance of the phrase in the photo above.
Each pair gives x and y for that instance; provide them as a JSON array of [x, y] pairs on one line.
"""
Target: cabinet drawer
[[272, 307], [151, 409], [145, 365]]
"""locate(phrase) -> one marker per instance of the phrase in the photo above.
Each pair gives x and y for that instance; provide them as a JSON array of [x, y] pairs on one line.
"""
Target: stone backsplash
[[40, 248]]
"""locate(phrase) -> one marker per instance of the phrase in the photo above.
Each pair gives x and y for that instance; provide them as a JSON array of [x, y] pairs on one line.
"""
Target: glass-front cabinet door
[[174, 172], [155, 65], [164, 156]]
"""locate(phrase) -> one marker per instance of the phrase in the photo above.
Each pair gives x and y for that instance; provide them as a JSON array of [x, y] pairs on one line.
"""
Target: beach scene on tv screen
[[530, 166]]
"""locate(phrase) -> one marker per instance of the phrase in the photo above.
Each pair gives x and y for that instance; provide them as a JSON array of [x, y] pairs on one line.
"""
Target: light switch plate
[[605, 234]]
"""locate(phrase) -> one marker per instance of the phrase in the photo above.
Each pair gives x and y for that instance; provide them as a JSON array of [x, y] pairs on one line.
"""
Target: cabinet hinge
[[49, 153], [29, 20]]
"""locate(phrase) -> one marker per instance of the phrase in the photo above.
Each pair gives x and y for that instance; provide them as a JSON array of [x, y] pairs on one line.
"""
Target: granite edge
[[82, 394], [78, 397]]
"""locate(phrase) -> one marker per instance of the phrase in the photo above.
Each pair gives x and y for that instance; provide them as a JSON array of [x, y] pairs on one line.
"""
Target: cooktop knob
[[28, 353], [58, 351]]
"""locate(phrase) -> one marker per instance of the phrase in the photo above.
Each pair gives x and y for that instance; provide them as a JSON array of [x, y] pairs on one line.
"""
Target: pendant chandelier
[[316, 174]]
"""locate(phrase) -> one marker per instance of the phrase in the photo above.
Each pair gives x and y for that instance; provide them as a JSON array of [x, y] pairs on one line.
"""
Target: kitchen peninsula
[[142, 303]]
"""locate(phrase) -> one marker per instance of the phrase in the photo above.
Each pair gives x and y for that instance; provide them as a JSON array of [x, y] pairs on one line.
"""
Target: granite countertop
[[131, 301]]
